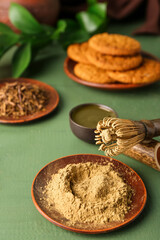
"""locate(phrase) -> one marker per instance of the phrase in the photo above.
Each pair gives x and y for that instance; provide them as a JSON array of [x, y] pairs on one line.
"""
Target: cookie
[[114, 44], [75, 52], [83, 48], [118, 63], [91, 73], [148, 72]]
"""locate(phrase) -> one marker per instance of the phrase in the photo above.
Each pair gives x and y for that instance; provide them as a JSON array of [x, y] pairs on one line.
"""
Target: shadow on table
[[154, 87]]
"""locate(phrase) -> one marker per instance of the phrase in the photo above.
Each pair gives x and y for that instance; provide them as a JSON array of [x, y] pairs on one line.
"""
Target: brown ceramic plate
[[129, 175], [69, 66], [51, 105]]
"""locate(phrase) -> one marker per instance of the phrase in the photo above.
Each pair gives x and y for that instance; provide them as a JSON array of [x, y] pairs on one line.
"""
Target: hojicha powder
[[89, 193]]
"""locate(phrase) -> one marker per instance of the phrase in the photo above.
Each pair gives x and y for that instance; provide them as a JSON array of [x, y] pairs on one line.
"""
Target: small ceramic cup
[[83, 132]]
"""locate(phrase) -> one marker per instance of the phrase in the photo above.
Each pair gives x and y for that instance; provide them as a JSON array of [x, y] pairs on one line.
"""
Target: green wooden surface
[[25, 149]]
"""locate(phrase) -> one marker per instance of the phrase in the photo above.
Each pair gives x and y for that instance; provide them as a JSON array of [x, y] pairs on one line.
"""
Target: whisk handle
[[156, 123], [152, 128]]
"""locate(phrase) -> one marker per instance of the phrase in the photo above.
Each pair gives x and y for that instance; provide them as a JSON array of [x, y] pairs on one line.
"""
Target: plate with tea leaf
[[24, 100]]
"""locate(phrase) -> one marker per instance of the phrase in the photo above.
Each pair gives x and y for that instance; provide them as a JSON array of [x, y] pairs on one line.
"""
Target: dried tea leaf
[[21, 99]]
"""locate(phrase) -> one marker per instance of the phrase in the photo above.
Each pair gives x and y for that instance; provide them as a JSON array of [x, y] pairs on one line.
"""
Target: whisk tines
[[117, 135]]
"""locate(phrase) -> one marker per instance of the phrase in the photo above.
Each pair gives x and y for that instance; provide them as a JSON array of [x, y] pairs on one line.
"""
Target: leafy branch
[[34, 36]]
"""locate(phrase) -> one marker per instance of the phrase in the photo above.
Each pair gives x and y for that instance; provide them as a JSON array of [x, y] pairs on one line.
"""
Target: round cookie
[[83, 48], [91, 73], [74, 52], [118, 63], [114, 44], [148, 72]]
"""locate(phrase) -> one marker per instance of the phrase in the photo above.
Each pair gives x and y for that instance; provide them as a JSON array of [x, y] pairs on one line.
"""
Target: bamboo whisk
[[117, 135]]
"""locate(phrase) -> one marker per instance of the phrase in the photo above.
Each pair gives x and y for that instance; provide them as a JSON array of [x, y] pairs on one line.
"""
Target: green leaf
[[21, 60], [23, 20], [70, 32], [99, 10], [71, 25], [61, 26], [7, 41], [5, 29], [65, 26], [37, 40], [88, 21], [48, 29], [77, 36], [41, 41]]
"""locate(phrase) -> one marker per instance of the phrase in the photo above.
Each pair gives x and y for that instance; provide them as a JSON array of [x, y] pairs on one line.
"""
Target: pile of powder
[[89, 193]]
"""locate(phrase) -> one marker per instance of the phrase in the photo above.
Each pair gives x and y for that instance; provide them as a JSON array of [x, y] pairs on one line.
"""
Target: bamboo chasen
[[117, 136]]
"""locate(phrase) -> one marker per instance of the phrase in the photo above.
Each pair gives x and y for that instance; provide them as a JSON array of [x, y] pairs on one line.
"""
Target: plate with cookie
[[111, 61]]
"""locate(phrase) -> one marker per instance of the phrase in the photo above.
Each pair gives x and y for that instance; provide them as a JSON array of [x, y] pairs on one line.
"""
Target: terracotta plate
[[69, 65], [129, 175], [52, 103]]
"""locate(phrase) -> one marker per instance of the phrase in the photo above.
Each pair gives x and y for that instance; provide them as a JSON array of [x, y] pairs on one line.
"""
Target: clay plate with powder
[[129, 175], [69, 66]]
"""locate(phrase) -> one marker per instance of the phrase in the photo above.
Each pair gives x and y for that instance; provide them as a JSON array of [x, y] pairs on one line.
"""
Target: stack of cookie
[[108, 58]]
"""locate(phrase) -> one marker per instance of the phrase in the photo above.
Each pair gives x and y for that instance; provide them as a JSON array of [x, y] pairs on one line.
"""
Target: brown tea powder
[[88, 192]]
